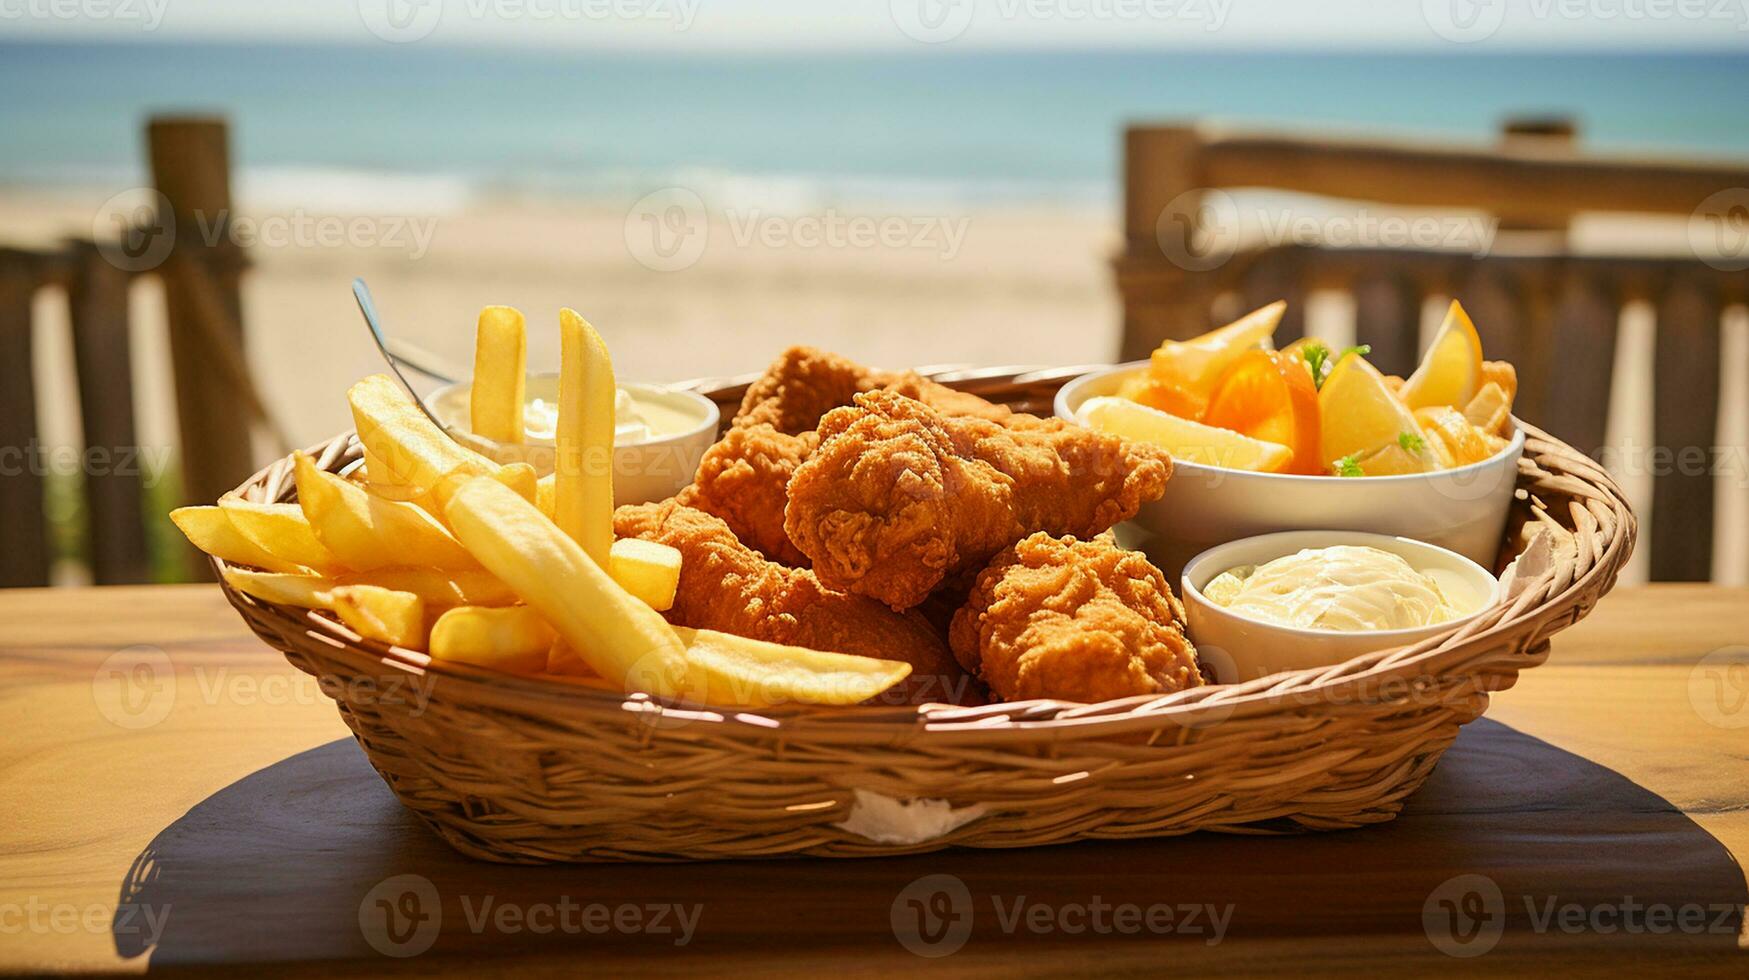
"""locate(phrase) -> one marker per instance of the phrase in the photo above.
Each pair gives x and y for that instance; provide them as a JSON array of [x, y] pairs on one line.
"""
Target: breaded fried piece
[[743, 478], [804, 384], [1074, 621], [899, 496], [724, 585]]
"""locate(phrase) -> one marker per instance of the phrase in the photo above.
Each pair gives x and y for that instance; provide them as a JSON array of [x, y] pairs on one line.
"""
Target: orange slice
[[1183, 438], [1269, 395], [1359, 413], [1195, 364], [1167, 396], [1451, 371]]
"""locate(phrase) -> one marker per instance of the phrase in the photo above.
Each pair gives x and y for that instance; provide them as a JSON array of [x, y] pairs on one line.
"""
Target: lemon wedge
[[1358, 411], [1451, 371], [1195, 364], [1463, 441], [1184, 439]]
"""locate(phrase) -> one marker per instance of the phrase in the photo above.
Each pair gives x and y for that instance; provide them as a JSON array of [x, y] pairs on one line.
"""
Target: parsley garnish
[[1412, 443], [1317, 357], [1347, 466]]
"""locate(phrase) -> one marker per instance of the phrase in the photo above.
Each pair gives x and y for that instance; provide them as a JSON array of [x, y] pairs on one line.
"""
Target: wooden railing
[[216, 401], [1551, 311]]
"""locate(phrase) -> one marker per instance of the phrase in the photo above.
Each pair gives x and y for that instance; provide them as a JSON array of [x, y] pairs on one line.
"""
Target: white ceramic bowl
[[1240, 648], [646, 471], [1463, 509]]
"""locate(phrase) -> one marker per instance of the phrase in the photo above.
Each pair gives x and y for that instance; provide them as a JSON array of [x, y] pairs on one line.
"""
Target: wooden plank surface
[[98, 301], [24, 555], [175, 796]]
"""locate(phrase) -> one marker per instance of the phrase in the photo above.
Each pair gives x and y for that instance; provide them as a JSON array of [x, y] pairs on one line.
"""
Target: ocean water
[[434, 123]]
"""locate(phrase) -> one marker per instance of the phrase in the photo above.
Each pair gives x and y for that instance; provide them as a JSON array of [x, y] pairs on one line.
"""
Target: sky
[[813, 25]]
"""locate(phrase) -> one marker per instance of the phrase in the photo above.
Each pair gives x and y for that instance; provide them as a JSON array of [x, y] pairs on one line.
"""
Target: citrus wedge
[[1451, 371], [1195, 364], [735, 670], [1167, 396], [1394, 460], [1183, 438], [1490, 409], [1462, 440], [1269, 395], [1358, 412]]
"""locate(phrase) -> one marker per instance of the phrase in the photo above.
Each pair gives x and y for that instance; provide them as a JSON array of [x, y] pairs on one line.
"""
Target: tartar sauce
[[1350, 588]]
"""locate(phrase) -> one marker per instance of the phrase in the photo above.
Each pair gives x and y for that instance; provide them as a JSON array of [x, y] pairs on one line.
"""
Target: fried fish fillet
[[724, 585], [1074, 621], [898, 496]]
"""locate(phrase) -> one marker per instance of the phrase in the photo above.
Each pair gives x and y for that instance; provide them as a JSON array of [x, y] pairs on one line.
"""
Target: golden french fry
[[409, 449], [211, 530], [519, 477], [583, 458], [544, 492], [1503, 374], [647, 569], [735, 670], [500, 378], [623, 639], [467, 587], [280, 529], [308, 591], [513, 639], [384, 615], [365, 531]]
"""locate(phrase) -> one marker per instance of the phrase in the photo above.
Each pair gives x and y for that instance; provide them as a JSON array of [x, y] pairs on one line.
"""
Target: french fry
[[287, 589], [384, 615], [619, 636], [364, 531], [583, 458], [735, 670], [469, 587], [410, 450], [514, 639], [210, 529], [280, 529], [500, 378], [647, 569], [544, 492], [519, 477]]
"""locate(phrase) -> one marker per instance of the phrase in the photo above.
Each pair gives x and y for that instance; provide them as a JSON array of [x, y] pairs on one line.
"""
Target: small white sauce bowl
[[1240, 648], [1463, 509], [642, 472]]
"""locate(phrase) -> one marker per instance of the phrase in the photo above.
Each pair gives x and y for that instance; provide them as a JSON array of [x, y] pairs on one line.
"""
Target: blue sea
[[1016, 126]]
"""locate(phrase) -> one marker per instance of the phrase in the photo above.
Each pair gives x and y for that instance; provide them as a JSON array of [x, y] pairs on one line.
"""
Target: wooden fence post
[[24, 556], [191, 169], [97, 296]]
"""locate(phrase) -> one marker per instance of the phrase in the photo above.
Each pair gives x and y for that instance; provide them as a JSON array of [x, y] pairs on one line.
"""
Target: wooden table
[[203, 806]]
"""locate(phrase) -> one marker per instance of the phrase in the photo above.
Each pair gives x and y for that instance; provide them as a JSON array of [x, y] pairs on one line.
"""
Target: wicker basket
[[533, 770]]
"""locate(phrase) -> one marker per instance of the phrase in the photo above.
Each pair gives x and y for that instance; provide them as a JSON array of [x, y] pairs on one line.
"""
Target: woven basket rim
[[1541, 602]]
